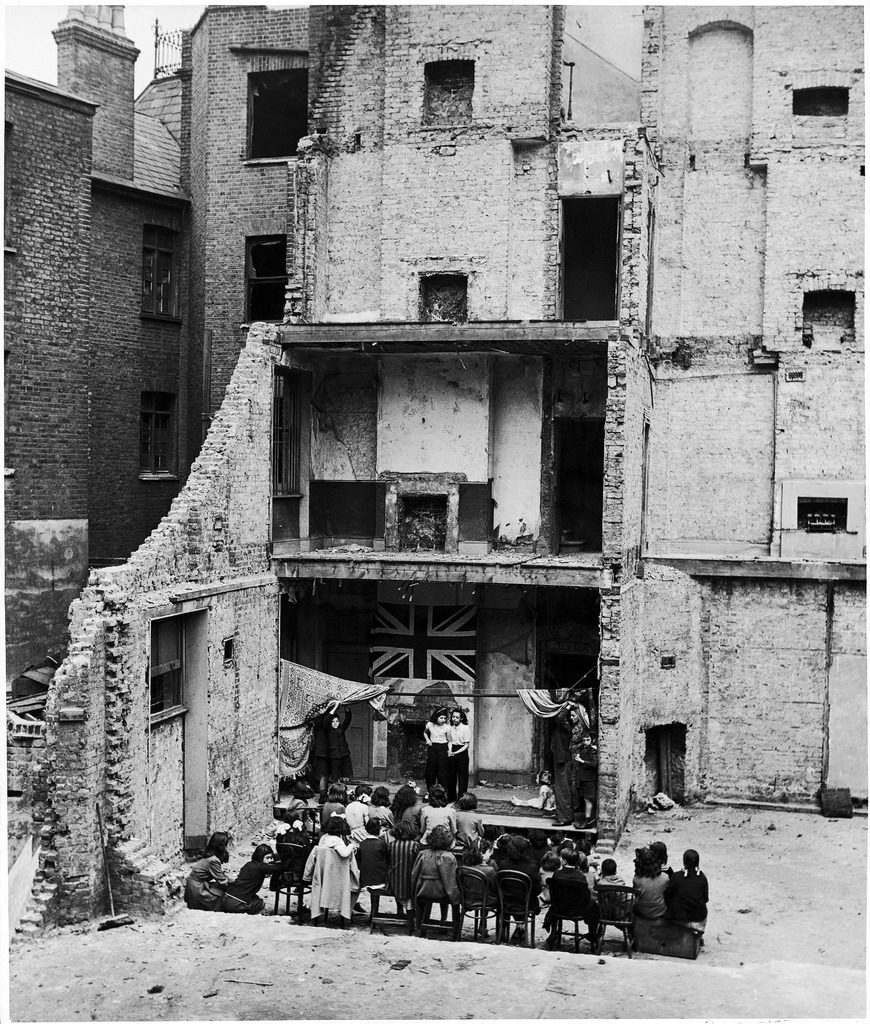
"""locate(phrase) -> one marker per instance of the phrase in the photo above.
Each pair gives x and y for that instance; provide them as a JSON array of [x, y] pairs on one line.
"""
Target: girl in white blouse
[[457, 754]]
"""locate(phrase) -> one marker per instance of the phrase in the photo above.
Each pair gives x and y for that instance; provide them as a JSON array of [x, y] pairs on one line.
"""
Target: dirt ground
[[785, 938]]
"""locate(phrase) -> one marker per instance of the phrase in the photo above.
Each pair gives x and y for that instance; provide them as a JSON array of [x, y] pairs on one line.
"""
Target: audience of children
[[407, 849]]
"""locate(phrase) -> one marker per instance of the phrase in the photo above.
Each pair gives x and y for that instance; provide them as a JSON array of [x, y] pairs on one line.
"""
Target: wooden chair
[[476, 900], [515, 901], [616, 904], [378, 917], [290, 882], [569, 901], [399, 879]]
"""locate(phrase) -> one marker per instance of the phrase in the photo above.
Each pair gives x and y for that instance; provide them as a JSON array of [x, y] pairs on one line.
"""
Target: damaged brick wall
[[209, 553], [233, 198]]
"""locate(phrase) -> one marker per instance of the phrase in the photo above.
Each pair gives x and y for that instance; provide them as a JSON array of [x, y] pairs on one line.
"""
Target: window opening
[[828, 316], [422, 522], [822, 515], [286, 426], [156, 432], [444, 298], [665, 760], [266, 264], [167, 664], [277, 112], [590, 258], [822, 101], [650, 267], [449, 87], [158, 271], [229, 650], [579, 484]]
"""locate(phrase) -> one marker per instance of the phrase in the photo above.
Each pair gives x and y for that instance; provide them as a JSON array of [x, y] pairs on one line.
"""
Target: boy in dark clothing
[[241, 896], [373, 857], [577, 900], [687, 894]]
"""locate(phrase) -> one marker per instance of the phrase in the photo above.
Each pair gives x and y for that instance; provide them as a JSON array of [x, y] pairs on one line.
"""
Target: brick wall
[[216, 529], [232, 198], [129, 354], [47, 239]]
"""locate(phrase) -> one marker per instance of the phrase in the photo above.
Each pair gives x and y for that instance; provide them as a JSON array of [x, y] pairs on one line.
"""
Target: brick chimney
[[95, 60]]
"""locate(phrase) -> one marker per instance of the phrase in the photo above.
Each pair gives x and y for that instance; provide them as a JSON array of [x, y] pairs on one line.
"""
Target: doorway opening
[[665, 760], [579, 489], [590, 258]]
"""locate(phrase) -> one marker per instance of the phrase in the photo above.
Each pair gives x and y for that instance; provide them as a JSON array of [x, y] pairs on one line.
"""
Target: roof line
[[606, 60]]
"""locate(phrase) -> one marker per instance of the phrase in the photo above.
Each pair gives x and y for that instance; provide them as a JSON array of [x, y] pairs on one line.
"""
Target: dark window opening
[[167, 665], [156, 430], [444, 298], [422, 522], [286, 433], [277, 112], [823, 101], [665, 760], [229, 650], [266, 264], [159, 286], [828, 315], [590, 258], [579, 484], [644, 487], [822, 515], [449, 87], [650, 267]]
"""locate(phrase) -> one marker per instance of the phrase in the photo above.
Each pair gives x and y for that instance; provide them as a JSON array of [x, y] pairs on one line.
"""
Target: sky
[[613, 30]]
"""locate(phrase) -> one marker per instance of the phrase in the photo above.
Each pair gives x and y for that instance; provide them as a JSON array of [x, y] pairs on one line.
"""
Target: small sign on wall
[[795, 376]]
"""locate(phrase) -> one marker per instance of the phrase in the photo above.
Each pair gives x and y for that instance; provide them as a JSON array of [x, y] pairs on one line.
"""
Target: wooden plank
[[763, 568]]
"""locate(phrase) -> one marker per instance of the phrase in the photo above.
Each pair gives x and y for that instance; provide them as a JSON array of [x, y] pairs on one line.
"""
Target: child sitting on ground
[[545, 800]]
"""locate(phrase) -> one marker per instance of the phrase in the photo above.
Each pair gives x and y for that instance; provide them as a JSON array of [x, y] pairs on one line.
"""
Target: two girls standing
[[448, 736]]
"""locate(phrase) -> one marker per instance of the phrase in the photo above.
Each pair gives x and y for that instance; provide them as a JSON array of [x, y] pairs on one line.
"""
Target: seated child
[[687, 894], [373, 857], [241, 896], [545, 800], [473, 858], [550, 863], [380, 807], [469, 824], [609, 876], [357, 812]]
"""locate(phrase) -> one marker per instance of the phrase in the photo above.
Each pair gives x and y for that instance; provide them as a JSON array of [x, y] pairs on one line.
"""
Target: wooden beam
[[763, 568]]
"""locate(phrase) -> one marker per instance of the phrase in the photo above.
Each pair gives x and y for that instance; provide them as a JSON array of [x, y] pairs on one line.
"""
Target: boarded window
[[823, 101], [156, 432], [828, 316], [822, 515], [159, 286], [266, 277], [167, 664], [448, 92], [277, 112], [444, 298], [590, 258]]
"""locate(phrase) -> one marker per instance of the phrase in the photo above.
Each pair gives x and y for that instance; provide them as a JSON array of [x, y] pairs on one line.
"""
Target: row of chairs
[[513, 902]]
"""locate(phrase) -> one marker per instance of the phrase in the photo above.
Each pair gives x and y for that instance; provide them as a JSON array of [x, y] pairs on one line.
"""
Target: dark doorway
[[590, 258], [579, 486], [665, 760]]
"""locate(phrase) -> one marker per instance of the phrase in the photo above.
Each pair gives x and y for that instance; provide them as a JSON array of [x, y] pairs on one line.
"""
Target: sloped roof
[[162, 99], [156, 155]]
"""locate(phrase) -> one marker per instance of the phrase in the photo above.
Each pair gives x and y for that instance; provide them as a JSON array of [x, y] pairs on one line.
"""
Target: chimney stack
[[95, 60]]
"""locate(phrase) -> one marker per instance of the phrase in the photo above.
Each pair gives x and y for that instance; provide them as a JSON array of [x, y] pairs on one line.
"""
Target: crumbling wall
[[344, 420], [209, 553]]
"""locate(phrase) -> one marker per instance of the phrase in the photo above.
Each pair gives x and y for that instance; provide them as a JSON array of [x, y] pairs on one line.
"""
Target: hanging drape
[[542, 704], [307, 693]]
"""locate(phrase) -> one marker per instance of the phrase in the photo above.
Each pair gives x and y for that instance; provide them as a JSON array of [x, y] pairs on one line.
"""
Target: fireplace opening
[[422, 522], [665, 760]]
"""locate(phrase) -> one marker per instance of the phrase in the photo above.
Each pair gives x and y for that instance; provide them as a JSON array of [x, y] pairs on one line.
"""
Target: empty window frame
[[167, 665], [590, 258], [828, 316], [286, 433], [266, 272], [449, 88], [579, 484], [444, 298], [159, 277], [157, 432], [822, 515], [277, 112], [822, 101]]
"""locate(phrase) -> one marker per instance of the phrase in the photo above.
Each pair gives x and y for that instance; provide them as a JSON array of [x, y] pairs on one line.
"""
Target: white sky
[[613, 30]]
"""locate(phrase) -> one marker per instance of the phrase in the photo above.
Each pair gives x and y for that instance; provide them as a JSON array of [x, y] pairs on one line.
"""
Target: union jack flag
[[425, 642]]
